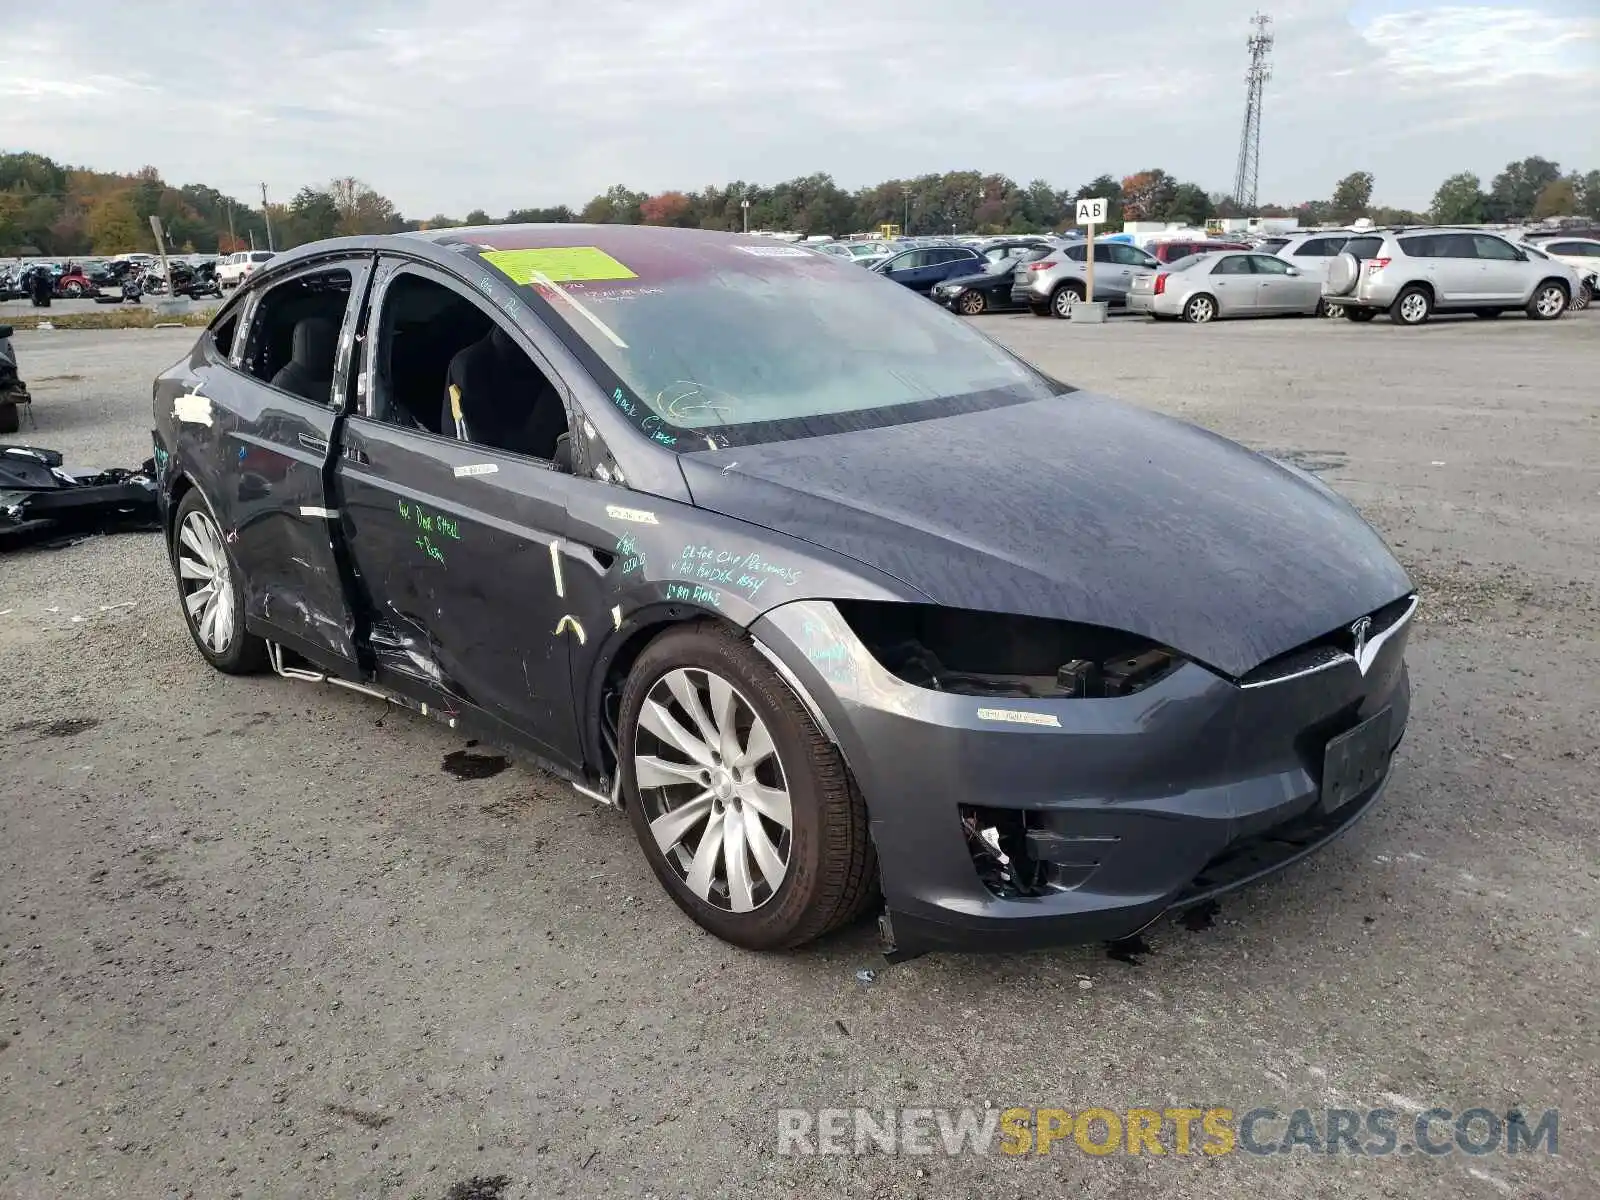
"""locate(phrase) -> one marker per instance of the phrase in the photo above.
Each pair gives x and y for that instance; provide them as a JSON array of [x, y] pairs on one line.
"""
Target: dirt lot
[[256, 942]]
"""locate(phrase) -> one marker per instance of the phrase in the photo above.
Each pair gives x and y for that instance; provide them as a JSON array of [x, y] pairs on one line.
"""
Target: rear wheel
[[1351, 313], [212, 591], [1064, 298], [1412, 306], [1549, 301], [1039, 310], [1200, 310], [744, 810], [972, 302]]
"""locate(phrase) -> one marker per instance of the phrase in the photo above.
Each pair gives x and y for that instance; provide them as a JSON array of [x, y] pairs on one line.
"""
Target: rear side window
[[1418, 247], [1076, 253], [1577, 249], [1184, 263], [222, 333], [1363, 248], [1238, 264], [1320, 248], [294, 336]]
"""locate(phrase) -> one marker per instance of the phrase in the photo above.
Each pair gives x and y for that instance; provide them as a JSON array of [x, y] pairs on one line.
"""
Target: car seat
[[309, 371]]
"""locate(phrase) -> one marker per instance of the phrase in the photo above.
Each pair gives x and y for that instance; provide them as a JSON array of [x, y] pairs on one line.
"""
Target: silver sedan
[[1228, 283]]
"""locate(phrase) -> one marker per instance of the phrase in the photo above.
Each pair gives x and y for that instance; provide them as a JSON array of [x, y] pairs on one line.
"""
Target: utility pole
[[906, 227], [745, 205], [267, 213], [1248, 174], [228, 203]]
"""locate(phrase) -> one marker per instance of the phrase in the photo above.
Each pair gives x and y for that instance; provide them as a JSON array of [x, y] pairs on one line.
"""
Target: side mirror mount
[[561, 459]]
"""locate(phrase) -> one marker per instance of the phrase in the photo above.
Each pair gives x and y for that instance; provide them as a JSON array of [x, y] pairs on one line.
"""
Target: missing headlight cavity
[[998, 654], [1018, 853]]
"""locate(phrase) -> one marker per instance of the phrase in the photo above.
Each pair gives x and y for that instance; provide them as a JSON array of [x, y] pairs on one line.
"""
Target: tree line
[[50, 209]]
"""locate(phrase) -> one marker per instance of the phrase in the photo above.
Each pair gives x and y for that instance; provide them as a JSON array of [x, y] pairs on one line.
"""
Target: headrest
[[315, 340]]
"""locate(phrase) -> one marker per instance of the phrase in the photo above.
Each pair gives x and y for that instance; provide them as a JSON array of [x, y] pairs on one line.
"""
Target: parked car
[[989, 289], [1170, 252], [1412, 275], [235, 268], [1312, 252], [1582, 254], [723, 538], [1053, 284], [1207, 287], [924, 266]]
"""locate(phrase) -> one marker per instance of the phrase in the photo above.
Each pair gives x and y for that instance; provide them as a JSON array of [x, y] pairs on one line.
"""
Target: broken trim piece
[[601, 797], [275, 658]]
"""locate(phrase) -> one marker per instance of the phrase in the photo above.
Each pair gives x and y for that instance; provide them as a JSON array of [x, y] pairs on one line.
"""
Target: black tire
[[1039, 310], [1060, 307], [972, 303], [244, 653], [1352, 313], [832, 868], [72, 290], [10, 417], [1486, 314], [1413, 306], [1549, 301]]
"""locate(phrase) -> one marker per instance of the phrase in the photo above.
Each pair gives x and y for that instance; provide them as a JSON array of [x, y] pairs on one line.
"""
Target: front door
[[273, 404], [1234, 285], [1506, 278], [458, 542]]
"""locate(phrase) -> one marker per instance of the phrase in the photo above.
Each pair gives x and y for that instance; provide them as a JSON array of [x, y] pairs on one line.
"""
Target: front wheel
[[212, 591], [972, 302], [1584, 298], [72, 290], [743, 809], [1549, 302]]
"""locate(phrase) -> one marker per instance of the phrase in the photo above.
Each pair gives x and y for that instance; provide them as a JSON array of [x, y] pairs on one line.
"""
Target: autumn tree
[[1351, 197], [361, 209], [1147, 195], [1558, 198], [1515, 190], [114, 226], [669, 208]]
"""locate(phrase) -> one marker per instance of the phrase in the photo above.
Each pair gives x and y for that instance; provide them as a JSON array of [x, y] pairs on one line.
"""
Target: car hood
[[1080, 508]]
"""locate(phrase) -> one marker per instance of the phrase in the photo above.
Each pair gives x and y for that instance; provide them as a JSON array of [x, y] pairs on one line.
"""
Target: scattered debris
[[865, 976], [62, 727], [367, 1120], [482, 1187], [1127, 950], [1201, 916], [1085, 984], [841, 1028], [464, 764]]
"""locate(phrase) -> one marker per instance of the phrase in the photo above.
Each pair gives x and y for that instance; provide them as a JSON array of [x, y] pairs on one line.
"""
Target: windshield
[[702, 339]]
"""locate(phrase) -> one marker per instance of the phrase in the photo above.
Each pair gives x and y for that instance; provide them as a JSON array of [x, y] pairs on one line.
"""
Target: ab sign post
[[1091, 212]]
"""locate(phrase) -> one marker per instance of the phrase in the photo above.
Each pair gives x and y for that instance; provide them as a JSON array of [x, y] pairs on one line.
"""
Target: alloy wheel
[[1414, 308], [1064, 301], [971, 302], [1551, 302], [1201, 310], [207, 581], [713, 789]]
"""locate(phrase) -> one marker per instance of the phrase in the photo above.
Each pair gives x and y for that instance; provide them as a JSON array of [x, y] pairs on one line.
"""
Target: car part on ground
[[42, 501], [779, 522]]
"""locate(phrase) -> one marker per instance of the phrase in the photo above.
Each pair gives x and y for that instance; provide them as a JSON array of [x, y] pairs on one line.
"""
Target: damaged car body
[[835, 597]]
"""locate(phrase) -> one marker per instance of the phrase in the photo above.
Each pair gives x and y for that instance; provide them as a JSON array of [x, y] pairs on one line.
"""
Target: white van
[[231, 271]]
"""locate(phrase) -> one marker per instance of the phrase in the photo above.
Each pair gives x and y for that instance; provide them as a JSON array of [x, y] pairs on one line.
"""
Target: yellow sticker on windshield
[[559, 264]]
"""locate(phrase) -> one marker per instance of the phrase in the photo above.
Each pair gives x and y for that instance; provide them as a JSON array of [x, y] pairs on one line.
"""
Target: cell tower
[[1248, 175]]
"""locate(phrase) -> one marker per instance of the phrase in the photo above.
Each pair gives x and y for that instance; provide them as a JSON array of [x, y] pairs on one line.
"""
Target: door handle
[[315, 444]]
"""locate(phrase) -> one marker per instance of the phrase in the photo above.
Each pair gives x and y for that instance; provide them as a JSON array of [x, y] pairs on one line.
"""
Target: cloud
[[501, 104]]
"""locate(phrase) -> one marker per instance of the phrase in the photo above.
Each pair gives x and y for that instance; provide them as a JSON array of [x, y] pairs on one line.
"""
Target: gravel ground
[[254, 941]]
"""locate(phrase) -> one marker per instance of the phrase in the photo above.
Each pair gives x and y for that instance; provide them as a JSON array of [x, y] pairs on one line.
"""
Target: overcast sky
[[445, 105]]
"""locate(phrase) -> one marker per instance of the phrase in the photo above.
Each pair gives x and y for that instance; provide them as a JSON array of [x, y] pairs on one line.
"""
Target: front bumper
[[1153, 801]]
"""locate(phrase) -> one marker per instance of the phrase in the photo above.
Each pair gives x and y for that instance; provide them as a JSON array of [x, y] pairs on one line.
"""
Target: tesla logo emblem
[[1359, 632]]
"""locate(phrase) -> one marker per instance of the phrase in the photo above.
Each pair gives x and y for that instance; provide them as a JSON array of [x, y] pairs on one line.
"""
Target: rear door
[[271, 404], [458, 545], [1235, 286], [1458, 276]]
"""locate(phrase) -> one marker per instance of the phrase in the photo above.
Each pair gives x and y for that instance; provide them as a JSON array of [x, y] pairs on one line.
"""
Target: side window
[[1363, 248], [916, 258], [1237, 264], [1417, 247], [294, 336], [1453, 245], [1493, 247], [1576, 249], [445, 365], [1076, 253], [1131, 256], [1267, 264], [1102, 253], [222, 333]]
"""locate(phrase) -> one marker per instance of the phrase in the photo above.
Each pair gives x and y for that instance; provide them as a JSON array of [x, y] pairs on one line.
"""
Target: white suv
[[1414, 273], [233, 269]]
